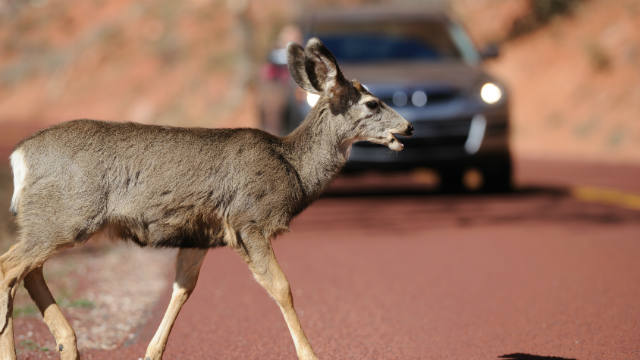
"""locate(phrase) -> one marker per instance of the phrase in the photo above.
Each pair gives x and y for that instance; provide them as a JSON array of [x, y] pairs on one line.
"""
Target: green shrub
[[540, 13], [598, 56]]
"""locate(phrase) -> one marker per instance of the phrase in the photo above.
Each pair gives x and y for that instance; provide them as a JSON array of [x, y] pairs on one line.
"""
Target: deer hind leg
[[52, 315], [262, 262], [15, 264], [188, 265], [7, 348]]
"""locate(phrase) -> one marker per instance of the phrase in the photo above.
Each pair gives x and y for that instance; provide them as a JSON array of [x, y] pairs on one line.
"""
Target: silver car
[[424, 66]]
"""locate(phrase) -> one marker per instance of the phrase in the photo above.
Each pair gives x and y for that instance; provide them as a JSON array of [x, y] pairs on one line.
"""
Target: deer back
[[158, 186]]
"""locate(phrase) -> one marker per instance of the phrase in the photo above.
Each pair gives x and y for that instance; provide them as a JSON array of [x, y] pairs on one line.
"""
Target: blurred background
[[568, 73], [572, 65]]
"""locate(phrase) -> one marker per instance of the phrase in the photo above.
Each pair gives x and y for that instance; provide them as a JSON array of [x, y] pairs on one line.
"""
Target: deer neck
[[317, 150]]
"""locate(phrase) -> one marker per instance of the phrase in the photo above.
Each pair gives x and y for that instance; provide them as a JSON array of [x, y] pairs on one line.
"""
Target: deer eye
[[372, 105]]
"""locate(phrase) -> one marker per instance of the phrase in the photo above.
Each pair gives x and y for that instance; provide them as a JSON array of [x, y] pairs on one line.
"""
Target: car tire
[[498, 177], [451, 180]]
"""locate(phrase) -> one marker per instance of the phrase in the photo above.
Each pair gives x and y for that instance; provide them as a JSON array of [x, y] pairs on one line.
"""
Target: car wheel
[[499, 176], [451, 180]]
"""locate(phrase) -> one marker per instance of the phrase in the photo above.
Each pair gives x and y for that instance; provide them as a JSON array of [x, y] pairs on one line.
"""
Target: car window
[[375, 47], [390, 41]]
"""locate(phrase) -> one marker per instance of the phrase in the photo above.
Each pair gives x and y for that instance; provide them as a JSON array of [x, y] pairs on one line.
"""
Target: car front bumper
[[471, 139]]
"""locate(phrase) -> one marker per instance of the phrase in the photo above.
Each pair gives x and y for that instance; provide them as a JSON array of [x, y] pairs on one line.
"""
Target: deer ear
[[321, 66], [296, 62]]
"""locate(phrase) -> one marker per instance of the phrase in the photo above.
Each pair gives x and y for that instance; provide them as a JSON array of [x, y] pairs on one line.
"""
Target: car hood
[[453, 74]]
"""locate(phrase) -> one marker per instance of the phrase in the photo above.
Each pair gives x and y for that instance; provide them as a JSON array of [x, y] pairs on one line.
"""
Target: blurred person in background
[[274, 77]]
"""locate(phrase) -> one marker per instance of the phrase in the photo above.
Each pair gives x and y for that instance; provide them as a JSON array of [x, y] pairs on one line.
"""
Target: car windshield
[[394, 41]]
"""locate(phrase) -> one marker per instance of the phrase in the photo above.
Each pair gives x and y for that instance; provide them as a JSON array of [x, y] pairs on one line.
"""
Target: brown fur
[[196, 188], [159, 186]]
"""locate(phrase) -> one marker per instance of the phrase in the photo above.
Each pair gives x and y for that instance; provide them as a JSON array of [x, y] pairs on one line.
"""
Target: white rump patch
[[19, 167]]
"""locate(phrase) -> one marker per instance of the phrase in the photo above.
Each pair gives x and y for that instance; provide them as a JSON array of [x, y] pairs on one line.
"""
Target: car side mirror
[[491, 51]]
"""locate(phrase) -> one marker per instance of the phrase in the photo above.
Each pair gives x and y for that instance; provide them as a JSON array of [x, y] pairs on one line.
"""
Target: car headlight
[[490, 93], [312, 99]]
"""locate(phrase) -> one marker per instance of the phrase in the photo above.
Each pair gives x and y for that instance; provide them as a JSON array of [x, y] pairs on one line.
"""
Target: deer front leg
[[266, 270], [188, 265]]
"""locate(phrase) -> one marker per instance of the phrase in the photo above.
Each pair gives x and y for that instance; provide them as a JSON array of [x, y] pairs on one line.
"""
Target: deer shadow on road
[[393, 190], [521, 356], [547, 204]]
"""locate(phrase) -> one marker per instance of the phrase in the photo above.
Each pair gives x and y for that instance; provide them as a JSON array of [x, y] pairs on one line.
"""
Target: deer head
[[356, 114]]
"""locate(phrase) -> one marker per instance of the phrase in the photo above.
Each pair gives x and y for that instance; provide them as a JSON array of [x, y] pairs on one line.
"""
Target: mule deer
[[189, 188]]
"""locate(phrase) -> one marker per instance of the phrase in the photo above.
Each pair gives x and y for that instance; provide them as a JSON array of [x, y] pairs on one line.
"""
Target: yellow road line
[[607, 196]]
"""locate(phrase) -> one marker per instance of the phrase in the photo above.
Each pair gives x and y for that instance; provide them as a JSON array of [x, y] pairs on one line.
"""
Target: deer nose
[[409, 130]]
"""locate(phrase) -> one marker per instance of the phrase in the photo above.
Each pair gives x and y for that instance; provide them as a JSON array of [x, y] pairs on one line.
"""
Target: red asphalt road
[[433, 276]]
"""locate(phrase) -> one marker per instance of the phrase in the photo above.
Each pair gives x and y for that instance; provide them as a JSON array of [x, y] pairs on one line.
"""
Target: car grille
[[448, 132], [403, 98], [446, 127]]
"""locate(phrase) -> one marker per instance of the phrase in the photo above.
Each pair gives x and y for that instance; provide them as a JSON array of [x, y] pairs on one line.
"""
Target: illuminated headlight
[[312, 99], [490, 93]]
